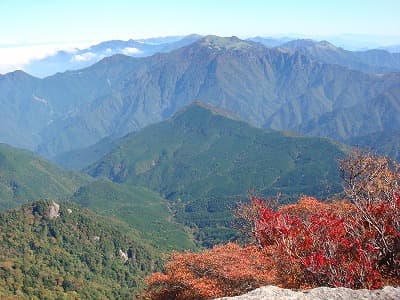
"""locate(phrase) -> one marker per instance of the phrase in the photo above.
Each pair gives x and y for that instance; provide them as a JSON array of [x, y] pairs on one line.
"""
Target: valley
[[149, 147]]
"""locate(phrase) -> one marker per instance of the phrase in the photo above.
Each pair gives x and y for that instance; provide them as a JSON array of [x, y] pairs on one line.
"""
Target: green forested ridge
[[142, 209], [75, 255], [203, 162], [25, 176], [81, 158]]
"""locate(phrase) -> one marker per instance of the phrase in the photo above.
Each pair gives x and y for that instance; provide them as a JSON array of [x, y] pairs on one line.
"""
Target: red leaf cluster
[[315, 244], [351, 243]]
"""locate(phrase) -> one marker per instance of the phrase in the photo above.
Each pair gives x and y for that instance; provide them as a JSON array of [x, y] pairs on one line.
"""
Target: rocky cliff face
[[321, 293]]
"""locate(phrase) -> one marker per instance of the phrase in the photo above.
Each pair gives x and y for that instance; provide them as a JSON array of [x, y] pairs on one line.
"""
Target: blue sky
[[50, 21], [33, 29]]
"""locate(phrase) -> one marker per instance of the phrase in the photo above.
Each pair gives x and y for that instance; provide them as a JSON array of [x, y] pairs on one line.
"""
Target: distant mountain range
[[371, 61], [270, 41], [76, 59], [274, 88], [392, 49]]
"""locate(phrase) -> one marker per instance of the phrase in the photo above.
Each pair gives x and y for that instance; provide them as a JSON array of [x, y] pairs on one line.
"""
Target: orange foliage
[[226, 270], [308, 206], [353, 243]]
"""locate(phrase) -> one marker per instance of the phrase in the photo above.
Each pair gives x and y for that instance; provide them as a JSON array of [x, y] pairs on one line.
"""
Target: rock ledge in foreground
[[321, 293]]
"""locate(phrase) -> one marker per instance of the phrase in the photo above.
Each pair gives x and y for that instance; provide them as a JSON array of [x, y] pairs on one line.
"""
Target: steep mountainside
[[80, 158], [203, 161], [26, 177], [371, 61], [17, 114], [382, 142], [61, 251], [381, 113], [266, 87], [142, 209]]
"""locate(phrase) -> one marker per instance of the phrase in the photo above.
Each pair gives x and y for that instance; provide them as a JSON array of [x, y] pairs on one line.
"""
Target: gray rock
[[54, 210], [321, 293], [123, 255]]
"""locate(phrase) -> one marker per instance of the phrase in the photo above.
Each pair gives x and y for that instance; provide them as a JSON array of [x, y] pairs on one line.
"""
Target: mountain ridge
[[370, 61], [25, 176], [266, 87], [203, 163], [75, 59], [53, 250]]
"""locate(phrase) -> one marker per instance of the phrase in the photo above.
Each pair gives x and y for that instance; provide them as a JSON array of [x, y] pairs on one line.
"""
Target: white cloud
[[84, 56], [14, 57], [5, 68], [130, 51]]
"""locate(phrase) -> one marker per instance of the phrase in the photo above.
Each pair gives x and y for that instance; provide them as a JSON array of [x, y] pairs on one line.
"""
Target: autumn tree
[[372, 184], [313, 245], [225, 270], [353, 242], [246, 216]]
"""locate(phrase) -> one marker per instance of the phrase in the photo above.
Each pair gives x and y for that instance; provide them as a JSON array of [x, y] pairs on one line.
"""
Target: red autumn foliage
[[314, 245], [352, 243], [372, 184]]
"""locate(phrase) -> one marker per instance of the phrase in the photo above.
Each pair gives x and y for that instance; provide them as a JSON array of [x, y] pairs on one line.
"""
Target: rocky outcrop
[[54, 210], [321, 293], [123, 255]]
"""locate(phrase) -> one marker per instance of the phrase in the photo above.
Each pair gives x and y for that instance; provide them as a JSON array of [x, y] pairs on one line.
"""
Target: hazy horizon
[[37, 29]]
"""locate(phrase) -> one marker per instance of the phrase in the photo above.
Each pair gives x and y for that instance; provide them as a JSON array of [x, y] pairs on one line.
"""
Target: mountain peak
[[19, 74], [299, 43], [327, 45], [198, 105], [224, 43], [309, 43]]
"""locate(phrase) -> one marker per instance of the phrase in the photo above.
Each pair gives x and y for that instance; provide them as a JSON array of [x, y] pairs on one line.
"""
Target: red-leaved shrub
[[353, 243], [314, 245]]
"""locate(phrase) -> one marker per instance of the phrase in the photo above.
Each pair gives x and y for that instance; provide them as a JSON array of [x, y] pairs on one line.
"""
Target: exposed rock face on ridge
[[123, 255], [54, 209], [321, 293]]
